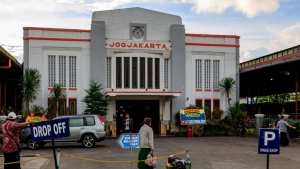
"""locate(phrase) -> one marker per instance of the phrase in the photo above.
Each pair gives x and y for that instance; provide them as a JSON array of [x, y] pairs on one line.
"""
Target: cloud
[[15, 14], [250, 8]]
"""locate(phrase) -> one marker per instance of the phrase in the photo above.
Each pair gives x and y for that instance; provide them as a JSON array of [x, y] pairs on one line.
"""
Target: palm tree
[[227, 84], [57, 93], [30, 86]]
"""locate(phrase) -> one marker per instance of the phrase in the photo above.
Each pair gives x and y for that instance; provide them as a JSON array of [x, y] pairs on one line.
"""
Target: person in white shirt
[[146, 143], [282, 124]]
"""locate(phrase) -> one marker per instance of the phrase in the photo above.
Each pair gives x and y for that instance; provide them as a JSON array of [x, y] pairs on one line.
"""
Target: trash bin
[[259, 121]]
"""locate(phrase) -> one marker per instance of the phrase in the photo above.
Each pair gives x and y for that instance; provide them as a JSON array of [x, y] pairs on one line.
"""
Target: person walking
[[146, 143], [282, 124], [127, 123], [11, 141]]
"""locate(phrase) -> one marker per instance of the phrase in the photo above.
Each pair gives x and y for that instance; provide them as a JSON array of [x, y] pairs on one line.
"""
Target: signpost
[[268, 142], [192, 116], [129, 140], [50, 130]]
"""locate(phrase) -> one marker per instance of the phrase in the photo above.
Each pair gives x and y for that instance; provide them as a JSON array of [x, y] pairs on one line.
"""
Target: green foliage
[[38, 110], [57, 93], [275, 98], [250, 131], [227, 84], [294, 132], [30, 86], [237, 114], [217, 114], [96, 102]]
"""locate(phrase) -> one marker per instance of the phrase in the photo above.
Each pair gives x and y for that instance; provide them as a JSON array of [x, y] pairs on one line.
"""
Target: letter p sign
[[269, 142], [269, 136]]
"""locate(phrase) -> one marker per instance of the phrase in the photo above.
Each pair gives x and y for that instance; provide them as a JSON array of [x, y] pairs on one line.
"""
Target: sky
[[265, 26]]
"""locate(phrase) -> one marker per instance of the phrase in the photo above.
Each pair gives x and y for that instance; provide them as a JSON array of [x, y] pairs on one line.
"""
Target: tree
[[227, 84], [30, 86], [96, 102], [57, 93]]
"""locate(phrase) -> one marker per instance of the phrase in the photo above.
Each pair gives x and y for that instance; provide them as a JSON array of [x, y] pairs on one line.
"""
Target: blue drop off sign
[[50, 129]]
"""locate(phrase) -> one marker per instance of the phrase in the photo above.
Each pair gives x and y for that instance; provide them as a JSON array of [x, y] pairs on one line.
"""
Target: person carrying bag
[[146, 146]]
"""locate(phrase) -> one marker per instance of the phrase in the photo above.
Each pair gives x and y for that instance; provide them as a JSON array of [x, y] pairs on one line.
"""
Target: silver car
[[85, 129]]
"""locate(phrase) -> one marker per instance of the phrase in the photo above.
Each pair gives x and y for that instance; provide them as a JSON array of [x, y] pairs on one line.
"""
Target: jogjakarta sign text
[[129, 44]]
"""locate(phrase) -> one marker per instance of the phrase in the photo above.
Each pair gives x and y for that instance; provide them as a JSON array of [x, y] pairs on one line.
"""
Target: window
[[157, 73], [166, 73], [62, 107], [51, 108], [199, 103], [90, 121], [216, 73], [119, 72], [207, 73], [198, 73], [150, 72], [76, 122], [126, 72], [134, 72], [72, 106], [108, 72], [216, 104], [72, 71], [207, 105], [51, 70], [142, 72], [62, 70]]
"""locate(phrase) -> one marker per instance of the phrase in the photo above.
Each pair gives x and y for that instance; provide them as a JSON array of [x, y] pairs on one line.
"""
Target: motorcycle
[[179, 163]]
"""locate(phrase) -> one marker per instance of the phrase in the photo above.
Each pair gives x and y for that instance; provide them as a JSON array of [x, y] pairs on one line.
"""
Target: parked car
[[84, 129]]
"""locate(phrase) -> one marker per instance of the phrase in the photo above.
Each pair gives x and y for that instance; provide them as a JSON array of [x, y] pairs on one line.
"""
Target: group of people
[[283, 125]]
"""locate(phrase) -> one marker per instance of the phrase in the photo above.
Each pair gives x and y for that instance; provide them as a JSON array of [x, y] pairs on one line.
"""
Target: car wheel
[[32, 145], [88, 141]]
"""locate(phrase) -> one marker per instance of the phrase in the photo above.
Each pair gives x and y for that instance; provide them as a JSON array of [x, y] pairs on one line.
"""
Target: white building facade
[[146, 62]]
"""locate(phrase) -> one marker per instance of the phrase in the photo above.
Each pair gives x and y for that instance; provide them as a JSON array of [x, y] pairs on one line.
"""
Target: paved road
[[206, 153]]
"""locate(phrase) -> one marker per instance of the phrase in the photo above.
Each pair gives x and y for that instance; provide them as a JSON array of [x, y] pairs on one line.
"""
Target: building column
[[110, 117], [165, 116]]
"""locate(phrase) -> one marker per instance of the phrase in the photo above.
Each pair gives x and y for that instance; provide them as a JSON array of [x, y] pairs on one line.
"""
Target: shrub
[[294, 132]]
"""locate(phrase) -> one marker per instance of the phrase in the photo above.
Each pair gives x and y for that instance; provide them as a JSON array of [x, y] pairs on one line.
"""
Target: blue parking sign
[[269, 141]]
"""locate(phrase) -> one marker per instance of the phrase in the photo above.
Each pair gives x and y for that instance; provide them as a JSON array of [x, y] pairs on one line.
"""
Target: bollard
[[189, 131], [259, 121]]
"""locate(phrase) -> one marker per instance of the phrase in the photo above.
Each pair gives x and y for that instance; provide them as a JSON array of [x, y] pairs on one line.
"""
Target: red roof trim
[[212, 36], [56, 39], [56, 29], [211, 44]]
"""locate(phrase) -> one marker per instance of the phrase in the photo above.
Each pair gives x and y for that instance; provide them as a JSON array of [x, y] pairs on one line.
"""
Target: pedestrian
[[11, 141], [283, 125], [127, 123], [277, 120], [146, 144]]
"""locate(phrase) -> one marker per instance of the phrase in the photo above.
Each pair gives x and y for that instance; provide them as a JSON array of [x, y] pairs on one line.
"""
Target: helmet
[[12, 116]]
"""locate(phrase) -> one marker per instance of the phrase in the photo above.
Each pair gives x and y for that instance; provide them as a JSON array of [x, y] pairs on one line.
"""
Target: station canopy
[[276, 73]]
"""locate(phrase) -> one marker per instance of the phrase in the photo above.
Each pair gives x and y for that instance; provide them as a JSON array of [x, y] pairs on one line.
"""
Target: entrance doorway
[[137, 110]]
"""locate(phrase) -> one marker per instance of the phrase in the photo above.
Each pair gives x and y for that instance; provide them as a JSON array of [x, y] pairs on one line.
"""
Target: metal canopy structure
[[275, 73], [10, 78]]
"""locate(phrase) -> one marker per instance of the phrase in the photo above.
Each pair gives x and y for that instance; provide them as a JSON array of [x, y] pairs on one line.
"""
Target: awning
[[145, 92]]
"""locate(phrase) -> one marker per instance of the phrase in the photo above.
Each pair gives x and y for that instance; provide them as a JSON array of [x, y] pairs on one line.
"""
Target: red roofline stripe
[[56, 29], [212, 36], [56, 39], [211, 44]]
